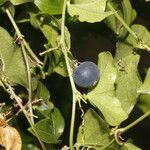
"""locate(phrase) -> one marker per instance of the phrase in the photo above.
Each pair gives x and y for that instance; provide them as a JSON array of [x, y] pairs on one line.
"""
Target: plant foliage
[[41, 107]]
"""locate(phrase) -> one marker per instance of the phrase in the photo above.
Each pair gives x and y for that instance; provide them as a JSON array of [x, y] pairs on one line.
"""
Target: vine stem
[[135, 122], [64, 50], [21, 36], [133, 34], [122, 21], [18, 100], [23, 46], [29, 82], [120, 131], [26, 63]]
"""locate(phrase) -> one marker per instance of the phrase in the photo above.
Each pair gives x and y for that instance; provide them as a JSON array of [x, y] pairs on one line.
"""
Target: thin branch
[[135, 122], [19, 35], [118, 132], [122, 21], [18, 100], [49, 50], [29, 81], [133, 34]]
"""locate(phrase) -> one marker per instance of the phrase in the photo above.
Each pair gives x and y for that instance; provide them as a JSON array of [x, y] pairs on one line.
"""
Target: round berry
[[86, 74]]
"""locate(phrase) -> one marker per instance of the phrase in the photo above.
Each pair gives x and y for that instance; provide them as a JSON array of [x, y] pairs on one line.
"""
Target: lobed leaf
[[103, 95], [128, 80], [95, 131]]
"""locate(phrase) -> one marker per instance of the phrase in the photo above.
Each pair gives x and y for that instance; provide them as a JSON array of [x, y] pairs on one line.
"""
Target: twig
[[12, 94], [29, 81], [21, 36], [133, 34], [118, 132], [49, 50]]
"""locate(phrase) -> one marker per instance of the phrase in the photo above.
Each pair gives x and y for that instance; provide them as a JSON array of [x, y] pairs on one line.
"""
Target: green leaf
[[145, 88], [95, 10], [128, 80], [143, 34], [61, 69], [50, 129], [13, 62], [18, 2], [103, 95], [111, 21], [95, 131], [50, 29], [130, 146], [127, 16], [58, 122], [42, 92], [44, 130], [124, 9], [2, 2], [52, 7], [144, 102], [123, 50], [44, 110]]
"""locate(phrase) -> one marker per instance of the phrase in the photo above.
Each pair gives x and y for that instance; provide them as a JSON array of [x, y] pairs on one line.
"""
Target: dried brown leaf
[[9, 137]]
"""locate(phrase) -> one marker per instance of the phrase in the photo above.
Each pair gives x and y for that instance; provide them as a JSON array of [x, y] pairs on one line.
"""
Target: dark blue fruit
[[86, 74]]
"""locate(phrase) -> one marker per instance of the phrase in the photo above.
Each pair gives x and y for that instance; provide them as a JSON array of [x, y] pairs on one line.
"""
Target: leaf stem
[[19, 35], [64, 50], [122, 21]]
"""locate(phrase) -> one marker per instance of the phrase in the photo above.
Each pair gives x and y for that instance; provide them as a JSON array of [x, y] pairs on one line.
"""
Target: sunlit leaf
[[124, 9], [18, 2], [128, 80], [52, 7], [143, 36], [103, 95], [95, 131], [95, 10]]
